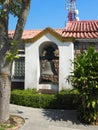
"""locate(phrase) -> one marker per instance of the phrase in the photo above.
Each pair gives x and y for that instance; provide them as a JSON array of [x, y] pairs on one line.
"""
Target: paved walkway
[[49, 119]]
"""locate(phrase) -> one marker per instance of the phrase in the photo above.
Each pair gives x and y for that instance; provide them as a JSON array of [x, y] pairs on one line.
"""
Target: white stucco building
[[54, 48]]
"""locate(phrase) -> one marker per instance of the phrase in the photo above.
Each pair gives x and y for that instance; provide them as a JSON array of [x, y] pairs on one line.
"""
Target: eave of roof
[[87, 40]]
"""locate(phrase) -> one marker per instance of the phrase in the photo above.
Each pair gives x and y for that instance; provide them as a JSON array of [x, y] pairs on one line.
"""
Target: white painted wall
[[32, 65], [65, 66]]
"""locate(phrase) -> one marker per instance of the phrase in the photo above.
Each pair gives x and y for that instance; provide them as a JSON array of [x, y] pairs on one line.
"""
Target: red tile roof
[[81, 29], [76, 29], [29, 34]]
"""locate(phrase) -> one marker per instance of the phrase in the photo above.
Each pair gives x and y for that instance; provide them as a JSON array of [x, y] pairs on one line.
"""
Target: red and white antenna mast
[[72, 12]]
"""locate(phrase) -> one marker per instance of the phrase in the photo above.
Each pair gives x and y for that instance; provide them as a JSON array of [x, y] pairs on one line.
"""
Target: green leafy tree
[[85, 78], [8, 48]]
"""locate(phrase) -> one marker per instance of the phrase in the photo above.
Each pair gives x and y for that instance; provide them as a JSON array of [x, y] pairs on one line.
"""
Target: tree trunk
[[21, 22], [5, 81], [5, 86], [4, 74]]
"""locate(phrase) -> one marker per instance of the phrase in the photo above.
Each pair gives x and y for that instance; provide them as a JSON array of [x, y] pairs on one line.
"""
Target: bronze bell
[[47, 69]]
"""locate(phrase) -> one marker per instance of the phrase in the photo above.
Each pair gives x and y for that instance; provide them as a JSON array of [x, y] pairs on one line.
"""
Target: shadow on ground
[[61, 115]]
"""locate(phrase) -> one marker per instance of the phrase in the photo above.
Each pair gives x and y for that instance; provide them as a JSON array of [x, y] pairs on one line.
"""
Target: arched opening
[[49, 63]]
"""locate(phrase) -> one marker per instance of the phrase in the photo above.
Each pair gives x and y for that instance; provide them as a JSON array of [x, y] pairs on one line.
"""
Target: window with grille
[[19, 69]]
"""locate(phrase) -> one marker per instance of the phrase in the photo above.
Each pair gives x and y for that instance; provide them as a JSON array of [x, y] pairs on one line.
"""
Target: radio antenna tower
[[72, 12]]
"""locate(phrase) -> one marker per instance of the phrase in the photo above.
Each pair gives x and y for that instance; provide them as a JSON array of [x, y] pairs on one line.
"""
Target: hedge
[[35, 100]]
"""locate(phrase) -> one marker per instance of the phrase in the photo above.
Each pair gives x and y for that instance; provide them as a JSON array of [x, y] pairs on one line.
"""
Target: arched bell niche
[[49, 63]]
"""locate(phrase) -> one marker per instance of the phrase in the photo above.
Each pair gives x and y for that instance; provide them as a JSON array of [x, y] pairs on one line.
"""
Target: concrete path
[[49, 119]]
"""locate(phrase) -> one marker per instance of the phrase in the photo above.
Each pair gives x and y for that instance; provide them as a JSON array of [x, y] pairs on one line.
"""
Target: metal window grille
[[19, 68]]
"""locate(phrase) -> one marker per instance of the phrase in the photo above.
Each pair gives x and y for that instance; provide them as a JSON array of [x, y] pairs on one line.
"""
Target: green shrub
[[64, 91], [69, 91], [85, 78], [30, 99]]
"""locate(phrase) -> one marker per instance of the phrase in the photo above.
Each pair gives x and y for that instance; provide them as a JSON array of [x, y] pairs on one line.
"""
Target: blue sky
[[52, 13]]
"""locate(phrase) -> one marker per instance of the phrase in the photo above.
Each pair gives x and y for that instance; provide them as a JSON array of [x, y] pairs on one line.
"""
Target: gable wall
[[32, 64]]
